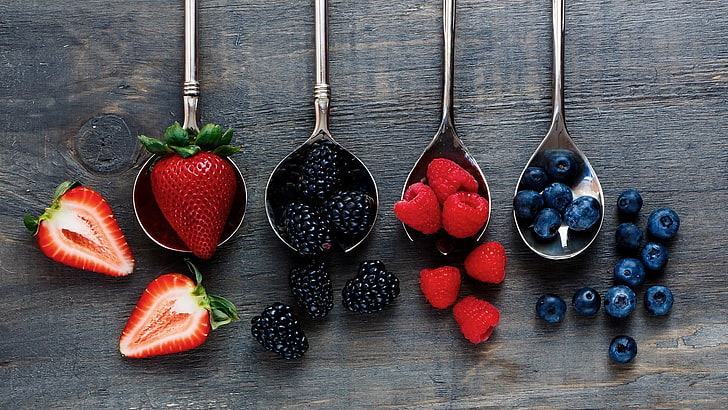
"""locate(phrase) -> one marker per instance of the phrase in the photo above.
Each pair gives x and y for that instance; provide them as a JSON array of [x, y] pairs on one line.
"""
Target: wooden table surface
[[647, 101]]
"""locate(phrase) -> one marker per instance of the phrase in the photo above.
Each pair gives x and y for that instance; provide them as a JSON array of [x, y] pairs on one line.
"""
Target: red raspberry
[[440, 286], [446, 177], [487, 263], [419, 209], [464, 213], [476, 318]]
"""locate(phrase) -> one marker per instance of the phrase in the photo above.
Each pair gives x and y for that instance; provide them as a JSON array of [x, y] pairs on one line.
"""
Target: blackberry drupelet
[[279, 331], [371, 290], [319, 172], [350, 214], [312, 289], [307, 229]]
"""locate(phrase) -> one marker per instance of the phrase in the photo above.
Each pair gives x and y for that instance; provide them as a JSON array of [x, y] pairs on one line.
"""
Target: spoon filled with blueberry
[[559, 203], [321, 196]]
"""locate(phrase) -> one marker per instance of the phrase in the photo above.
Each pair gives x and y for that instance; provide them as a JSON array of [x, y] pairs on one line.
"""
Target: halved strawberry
[[173, 315], [79, 230]]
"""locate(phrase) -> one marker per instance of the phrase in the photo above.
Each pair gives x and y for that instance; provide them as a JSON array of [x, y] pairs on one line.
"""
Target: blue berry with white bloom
[[547, 223], [623, 349], [629, 203], [586, 301], [526, 204], [628, 236], [551, 308], [654, 256], [629, 271], [583, 213], [557, 196], [663, 223], [658, 300], [619, 301], [534, 179]]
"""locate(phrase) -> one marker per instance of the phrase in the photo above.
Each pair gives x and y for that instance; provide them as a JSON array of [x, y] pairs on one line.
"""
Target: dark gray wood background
[[647, 101]]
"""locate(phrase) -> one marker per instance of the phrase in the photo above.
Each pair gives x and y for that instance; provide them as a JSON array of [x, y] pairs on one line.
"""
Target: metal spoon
[[569, 243], [446, 143], [147, 212], [278, 191]]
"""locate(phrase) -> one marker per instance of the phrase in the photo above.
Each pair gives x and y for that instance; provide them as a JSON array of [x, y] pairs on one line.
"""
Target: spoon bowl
[[281, 190], [446, 144], [148, 214], [567, 242]]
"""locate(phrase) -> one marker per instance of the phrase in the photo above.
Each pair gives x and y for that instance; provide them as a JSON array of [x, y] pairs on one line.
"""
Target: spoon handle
[[558, 94], [191, 89], [322, 92], [448, 26]]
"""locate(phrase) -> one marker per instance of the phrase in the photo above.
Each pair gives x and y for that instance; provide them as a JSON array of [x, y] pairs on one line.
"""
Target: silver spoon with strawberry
[[190, 197], [446, 144], [321, 194], [562, 162]]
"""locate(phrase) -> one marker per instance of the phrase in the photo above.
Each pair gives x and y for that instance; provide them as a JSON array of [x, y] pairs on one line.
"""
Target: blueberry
[[629, 203], [557, 196], [562, 165], [582, 213], [526, 204], [534, 179], [586, 301], [629, 271], [622, 349], [551, 308], [658, 300], [663, 223], [654, 256], [547, 223], [628, 236], [619, 301]]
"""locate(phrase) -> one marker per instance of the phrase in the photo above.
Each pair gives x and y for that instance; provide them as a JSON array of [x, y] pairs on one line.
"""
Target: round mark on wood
[[105, 144]]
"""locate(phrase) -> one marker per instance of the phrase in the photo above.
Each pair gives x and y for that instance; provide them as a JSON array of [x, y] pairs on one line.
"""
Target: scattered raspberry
[[464, 213], [419, 209], [487, 263], [440, 286], [476, 318], [446, 178]]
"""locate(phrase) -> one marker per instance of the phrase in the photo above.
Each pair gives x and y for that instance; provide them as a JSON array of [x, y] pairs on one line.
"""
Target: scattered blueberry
[[526, 204], [557, 196], [654, 256], [619, 301], [629, 203], [534, 179], [547, 223], [629, 271], [628, 236], [663, 223], [562, 165], [658, 300], [551, 308], [582, 213], [623, 349], [586, 301]]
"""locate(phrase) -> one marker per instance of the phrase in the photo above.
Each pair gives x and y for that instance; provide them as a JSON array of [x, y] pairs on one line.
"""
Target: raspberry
[[419, 209], [464, 213], [440, 286], [476, 318], [487, 263], [446, 177]]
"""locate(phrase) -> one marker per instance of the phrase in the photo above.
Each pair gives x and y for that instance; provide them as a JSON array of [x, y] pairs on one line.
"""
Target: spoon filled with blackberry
[[321, 196], [558, 205]]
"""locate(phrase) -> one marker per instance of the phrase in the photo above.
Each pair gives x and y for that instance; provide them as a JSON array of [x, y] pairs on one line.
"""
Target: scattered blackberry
[[279, 331], [350, 214], [623, 349], [586, 301], [319, 172], [551, 308], [658, 300], [371, 290], [619, 301], [311, 287], [307, 230]]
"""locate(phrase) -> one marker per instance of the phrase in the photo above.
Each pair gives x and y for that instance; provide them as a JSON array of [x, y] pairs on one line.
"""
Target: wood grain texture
[[646, 99]]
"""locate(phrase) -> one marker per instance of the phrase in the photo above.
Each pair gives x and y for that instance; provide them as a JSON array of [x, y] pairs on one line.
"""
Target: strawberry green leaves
[[187, 143]]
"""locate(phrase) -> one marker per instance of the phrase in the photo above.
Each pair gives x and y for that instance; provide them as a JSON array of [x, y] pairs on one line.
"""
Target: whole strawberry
[[441, 286], [476, 317], [194, 184], [487, 263]]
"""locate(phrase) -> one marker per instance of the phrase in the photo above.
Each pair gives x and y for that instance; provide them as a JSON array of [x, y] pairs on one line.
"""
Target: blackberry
[[551, 308], [371, 290], [311, 287], [307, 230], [350, 214], [279, 331], [623, 349], [319, 172]]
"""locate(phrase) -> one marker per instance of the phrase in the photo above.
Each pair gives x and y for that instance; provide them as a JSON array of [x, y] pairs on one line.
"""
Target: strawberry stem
[[222, 311]]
